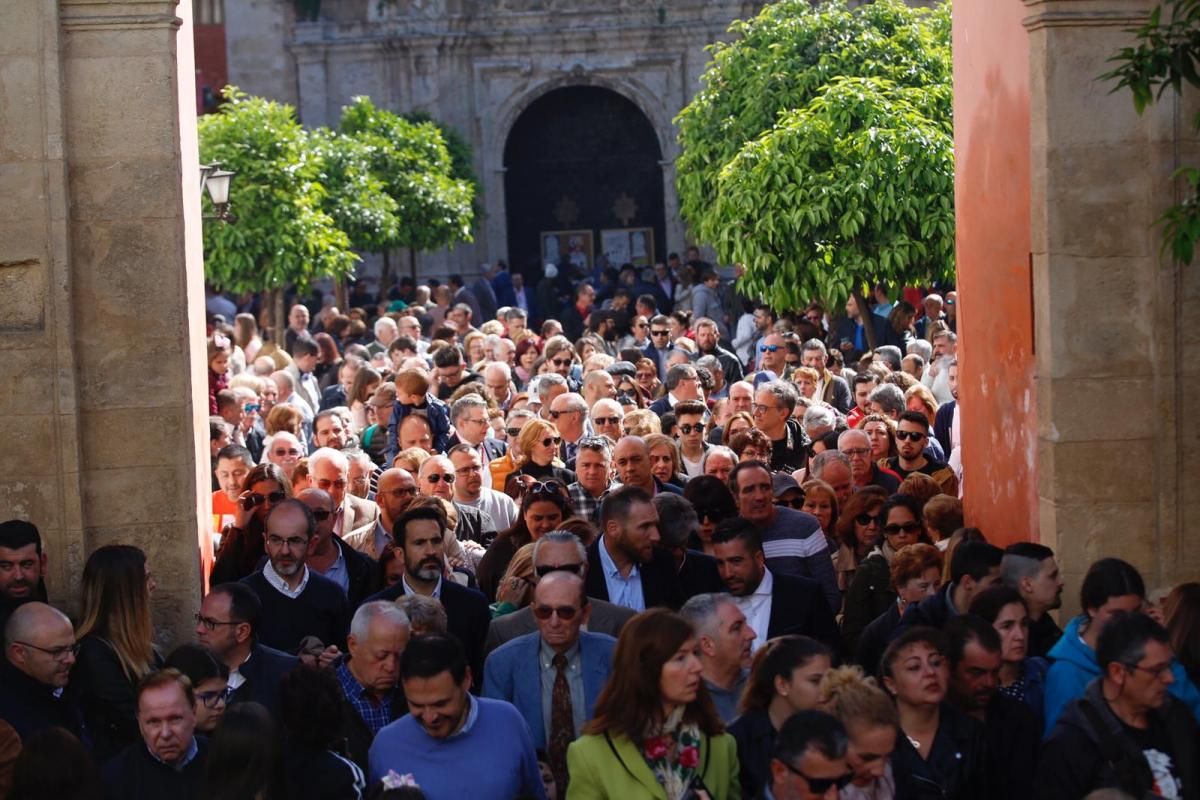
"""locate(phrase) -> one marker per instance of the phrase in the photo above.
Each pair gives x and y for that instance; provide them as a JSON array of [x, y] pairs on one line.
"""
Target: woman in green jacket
[[655, 733]]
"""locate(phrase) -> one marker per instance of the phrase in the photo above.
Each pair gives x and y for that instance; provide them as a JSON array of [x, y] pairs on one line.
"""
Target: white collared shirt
[[280, 585], [437, 590], [757, 608]]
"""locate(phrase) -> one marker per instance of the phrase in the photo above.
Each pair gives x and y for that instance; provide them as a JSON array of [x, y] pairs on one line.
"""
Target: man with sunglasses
[[39, 651], [809, 762], [558, 551], [569, 413], [553, 676], [329, 471], [912, 437], [661, 346], [436, 478], [333, 558], [607, 417], [772, 356], [689, 432]]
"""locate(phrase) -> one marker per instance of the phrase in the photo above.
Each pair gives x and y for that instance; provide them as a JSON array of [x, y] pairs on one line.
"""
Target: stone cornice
[[105, 15], [1084, 14]]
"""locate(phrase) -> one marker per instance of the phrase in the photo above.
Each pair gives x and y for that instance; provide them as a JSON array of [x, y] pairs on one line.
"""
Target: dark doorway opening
[[582, 159]]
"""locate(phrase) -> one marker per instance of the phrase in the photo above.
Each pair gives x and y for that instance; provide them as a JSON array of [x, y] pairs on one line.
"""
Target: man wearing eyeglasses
[[285, 451], [39, 651], [296, 602], [857, 447], [553, 676], [436, 478], [329, 471], [469, 416], [333, 558], [569, 413], [809, 761], [470, 491], [912, 437], [558, 551]]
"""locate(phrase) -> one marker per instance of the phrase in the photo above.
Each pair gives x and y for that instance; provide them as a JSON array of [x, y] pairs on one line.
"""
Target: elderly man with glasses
[[39, 651]]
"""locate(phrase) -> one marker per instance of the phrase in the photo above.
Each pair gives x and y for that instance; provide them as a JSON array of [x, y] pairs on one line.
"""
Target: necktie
[[562, 723]]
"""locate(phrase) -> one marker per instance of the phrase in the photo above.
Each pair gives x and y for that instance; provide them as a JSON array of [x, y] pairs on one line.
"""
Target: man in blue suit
[[554, 676]]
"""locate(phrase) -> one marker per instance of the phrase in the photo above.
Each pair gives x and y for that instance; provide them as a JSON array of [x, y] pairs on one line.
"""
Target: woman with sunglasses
[[543, 508], [940, 751], [784, 678], [655, 732], [210, 681], [856, 531], [242, 542], [539, 444], [714, 502], [870, 592], [116, 646], [871, 723]]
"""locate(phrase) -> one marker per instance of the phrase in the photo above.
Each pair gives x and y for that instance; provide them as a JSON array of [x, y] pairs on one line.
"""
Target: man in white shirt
[[470, 491]]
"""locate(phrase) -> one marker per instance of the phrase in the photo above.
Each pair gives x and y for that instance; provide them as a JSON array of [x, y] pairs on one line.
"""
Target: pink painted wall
[[992, 202]]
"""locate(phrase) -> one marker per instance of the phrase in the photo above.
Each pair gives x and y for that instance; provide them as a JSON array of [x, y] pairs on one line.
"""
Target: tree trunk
[[412, 263], [339, 294], [278, 319], [385, 277], [864, 314]]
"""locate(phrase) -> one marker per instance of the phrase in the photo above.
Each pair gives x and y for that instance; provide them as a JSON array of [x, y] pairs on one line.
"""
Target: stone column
[[101, 325], [1115, 323]]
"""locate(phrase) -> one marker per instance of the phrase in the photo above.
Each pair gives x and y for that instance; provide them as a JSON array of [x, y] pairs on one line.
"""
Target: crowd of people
[[618, 535]]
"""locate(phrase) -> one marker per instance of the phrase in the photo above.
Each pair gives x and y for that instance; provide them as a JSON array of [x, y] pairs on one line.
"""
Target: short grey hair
[[825, 458], [719, 450], [367, 613], [783, 393], [545, 381], [384, 323], [701, 610], [499, 366], [920, 347], [844, 438], [423, 612], [519, 413], [560, 537], [710, 363], [361, 458], [324, 455], [819, 416], [516, 313], [889, 397], [680, 372], [814, 344], [677, 518], [465, 404]]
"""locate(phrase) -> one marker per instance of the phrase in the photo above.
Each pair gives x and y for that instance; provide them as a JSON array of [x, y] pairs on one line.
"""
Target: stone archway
[[581, 158]]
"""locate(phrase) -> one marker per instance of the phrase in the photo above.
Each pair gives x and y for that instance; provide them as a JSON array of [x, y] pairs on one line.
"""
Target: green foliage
[[819, 152], [1165, 58], [414, 165], [283, 234], [355, 197]]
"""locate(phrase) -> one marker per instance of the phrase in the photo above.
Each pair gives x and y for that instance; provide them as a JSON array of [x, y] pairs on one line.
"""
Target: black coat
[[1079, 756], [29, 706], [312, 774], [699, 575], [1013, 734], [107, 698], [660, 582], [263, 672], [799, 607], [240, 554], [135, 774], [755, 737], [956, 768], [874, 640], [363, 572], [467, 617]]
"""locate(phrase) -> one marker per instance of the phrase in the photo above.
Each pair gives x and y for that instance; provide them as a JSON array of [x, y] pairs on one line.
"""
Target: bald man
[[39, 651], [395, 490], [328, 555]]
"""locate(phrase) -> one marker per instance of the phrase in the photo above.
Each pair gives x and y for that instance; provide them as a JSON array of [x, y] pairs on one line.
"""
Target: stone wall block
[[22, 295], [20, 82], [146, 189], [147, 495], [31, 497], [1091, 471], [128, 437], [22, 196], [29, 441], [1088, 212], [108, 44], [1124, 399], [27, 373], [21, 241], [95, 86]]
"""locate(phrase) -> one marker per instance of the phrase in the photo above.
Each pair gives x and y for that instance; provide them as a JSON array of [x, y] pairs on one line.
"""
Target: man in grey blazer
[[554, 552]]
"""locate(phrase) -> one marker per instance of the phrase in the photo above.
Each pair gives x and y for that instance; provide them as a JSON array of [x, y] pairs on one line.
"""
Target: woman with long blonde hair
[[116, 645]]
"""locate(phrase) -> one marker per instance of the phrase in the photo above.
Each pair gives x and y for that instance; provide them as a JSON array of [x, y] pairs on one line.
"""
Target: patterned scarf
[[673, 755]]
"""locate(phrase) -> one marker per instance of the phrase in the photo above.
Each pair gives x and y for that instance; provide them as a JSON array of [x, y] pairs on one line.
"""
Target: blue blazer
[[512, 674]]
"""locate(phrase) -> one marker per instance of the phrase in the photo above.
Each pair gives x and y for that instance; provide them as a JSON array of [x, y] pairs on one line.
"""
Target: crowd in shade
[[616, 534]]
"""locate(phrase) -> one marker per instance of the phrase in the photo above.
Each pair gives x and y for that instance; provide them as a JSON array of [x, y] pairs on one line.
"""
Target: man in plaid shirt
[[593, 469], [370, 676]]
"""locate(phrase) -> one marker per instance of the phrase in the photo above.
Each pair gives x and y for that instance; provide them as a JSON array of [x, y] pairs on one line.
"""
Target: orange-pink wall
[[992, 197]]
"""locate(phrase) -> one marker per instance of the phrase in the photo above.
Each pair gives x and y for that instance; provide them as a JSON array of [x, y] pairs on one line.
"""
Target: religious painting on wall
[[575, 246], [628, 246]]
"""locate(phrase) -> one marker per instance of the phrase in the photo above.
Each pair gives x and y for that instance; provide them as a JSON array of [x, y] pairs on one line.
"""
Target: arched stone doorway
[[583, 175]]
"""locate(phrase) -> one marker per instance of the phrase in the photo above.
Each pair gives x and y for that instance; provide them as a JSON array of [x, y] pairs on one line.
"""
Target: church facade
[[568, 104]]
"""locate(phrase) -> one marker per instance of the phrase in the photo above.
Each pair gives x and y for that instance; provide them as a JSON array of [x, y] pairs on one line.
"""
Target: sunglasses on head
[[910, 436], [899, 527], [435, 477], [552, 440], [687, 428], [565, 613], [545, 487]]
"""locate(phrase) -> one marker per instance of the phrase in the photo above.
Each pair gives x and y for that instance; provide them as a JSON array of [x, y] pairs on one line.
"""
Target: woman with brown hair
[[664, 459], [242, 542], [116, 646], [285, 417], [739, 422], [539, 443], [882, 433], [246, 334], [821, 501], [647, 377], [544, 505], [641, 422], [857, 531], [655, 732], [329, 361], [366, 381], [784, 678], [1181, 610], [751, 445], [915, 573]]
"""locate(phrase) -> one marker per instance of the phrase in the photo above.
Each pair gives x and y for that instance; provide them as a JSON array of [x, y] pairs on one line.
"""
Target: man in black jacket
[[169, 761], [39, 651], [22, 567], [419, 534], [1126, 732], [1032, 570], [678, 524], [370, 675], [775, 605], [329, 556], [625, 564], [227, 624], [974, 567]]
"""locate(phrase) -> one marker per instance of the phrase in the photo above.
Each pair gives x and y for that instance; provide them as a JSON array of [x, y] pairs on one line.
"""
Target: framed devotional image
[[628, 246], [576, 246]]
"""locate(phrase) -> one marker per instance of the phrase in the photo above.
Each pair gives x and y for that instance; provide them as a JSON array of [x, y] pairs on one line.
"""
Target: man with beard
[[625, 564], [725, 639], [22, 567], [1032, 570], [707, 343], [333, 558], [912, 436], [296, 602], [420, 534], [1011, 728]]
